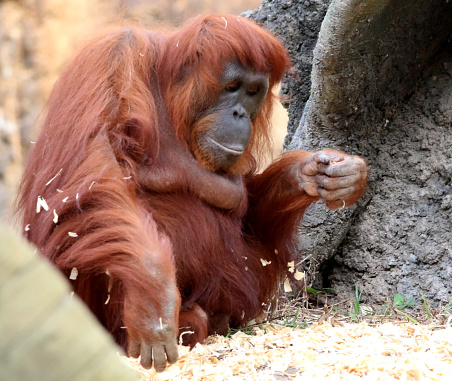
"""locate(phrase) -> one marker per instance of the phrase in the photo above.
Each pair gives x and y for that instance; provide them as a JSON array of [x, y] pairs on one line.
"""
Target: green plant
[[426, 306], [354, 317], [313, 291], [293, 321], [409, 317], [401, 303], [246, 330], [357, 302]]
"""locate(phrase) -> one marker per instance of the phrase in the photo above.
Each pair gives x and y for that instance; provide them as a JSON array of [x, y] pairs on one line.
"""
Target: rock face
[[381, 87], [297, 24], [402, 241]]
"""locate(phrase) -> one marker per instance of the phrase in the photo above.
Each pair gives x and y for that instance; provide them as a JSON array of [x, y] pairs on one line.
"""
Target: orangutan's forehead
[[236, 71]]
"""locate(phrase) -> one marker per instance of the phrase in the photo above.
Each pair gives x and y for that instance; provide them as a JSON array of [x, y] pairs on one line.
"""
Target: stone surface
[[402, 241], [297, 24], [380, 88]]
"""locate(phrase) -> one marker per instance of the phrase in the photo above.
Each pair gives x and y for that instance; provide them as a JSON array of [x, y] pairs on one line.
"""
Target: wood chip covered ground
[[343, 351]]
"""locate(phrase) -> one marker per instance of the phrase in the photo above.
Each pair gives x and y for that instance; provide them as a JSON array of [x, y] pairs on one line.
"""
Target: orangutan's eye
[[233, 86]]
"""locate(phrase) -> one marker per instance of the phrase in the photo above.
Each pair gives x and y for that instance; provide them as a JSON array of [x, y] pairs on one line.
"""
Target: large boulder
[[380, 87]]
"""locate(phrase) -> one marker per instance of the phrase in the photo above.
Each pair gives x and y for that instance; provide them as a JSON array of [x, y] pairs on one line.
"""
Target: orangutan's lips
[[238, 150]]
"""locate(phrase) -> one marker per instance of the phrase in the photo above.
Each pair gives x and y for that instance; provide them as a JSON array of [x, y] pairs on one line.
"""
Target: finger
[[339, 194], [333, 183], [146, 356], [321, 158], [134, 348], [159, 358], [309, 185], [172, 353], [328, 157], [343, 168], [310, 168]]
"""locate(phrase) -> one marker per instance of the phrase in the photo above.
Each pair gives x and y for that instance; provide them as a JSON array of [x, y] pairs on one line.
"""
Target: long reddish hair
[[194, 60], [110, 96], [108, 114]]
